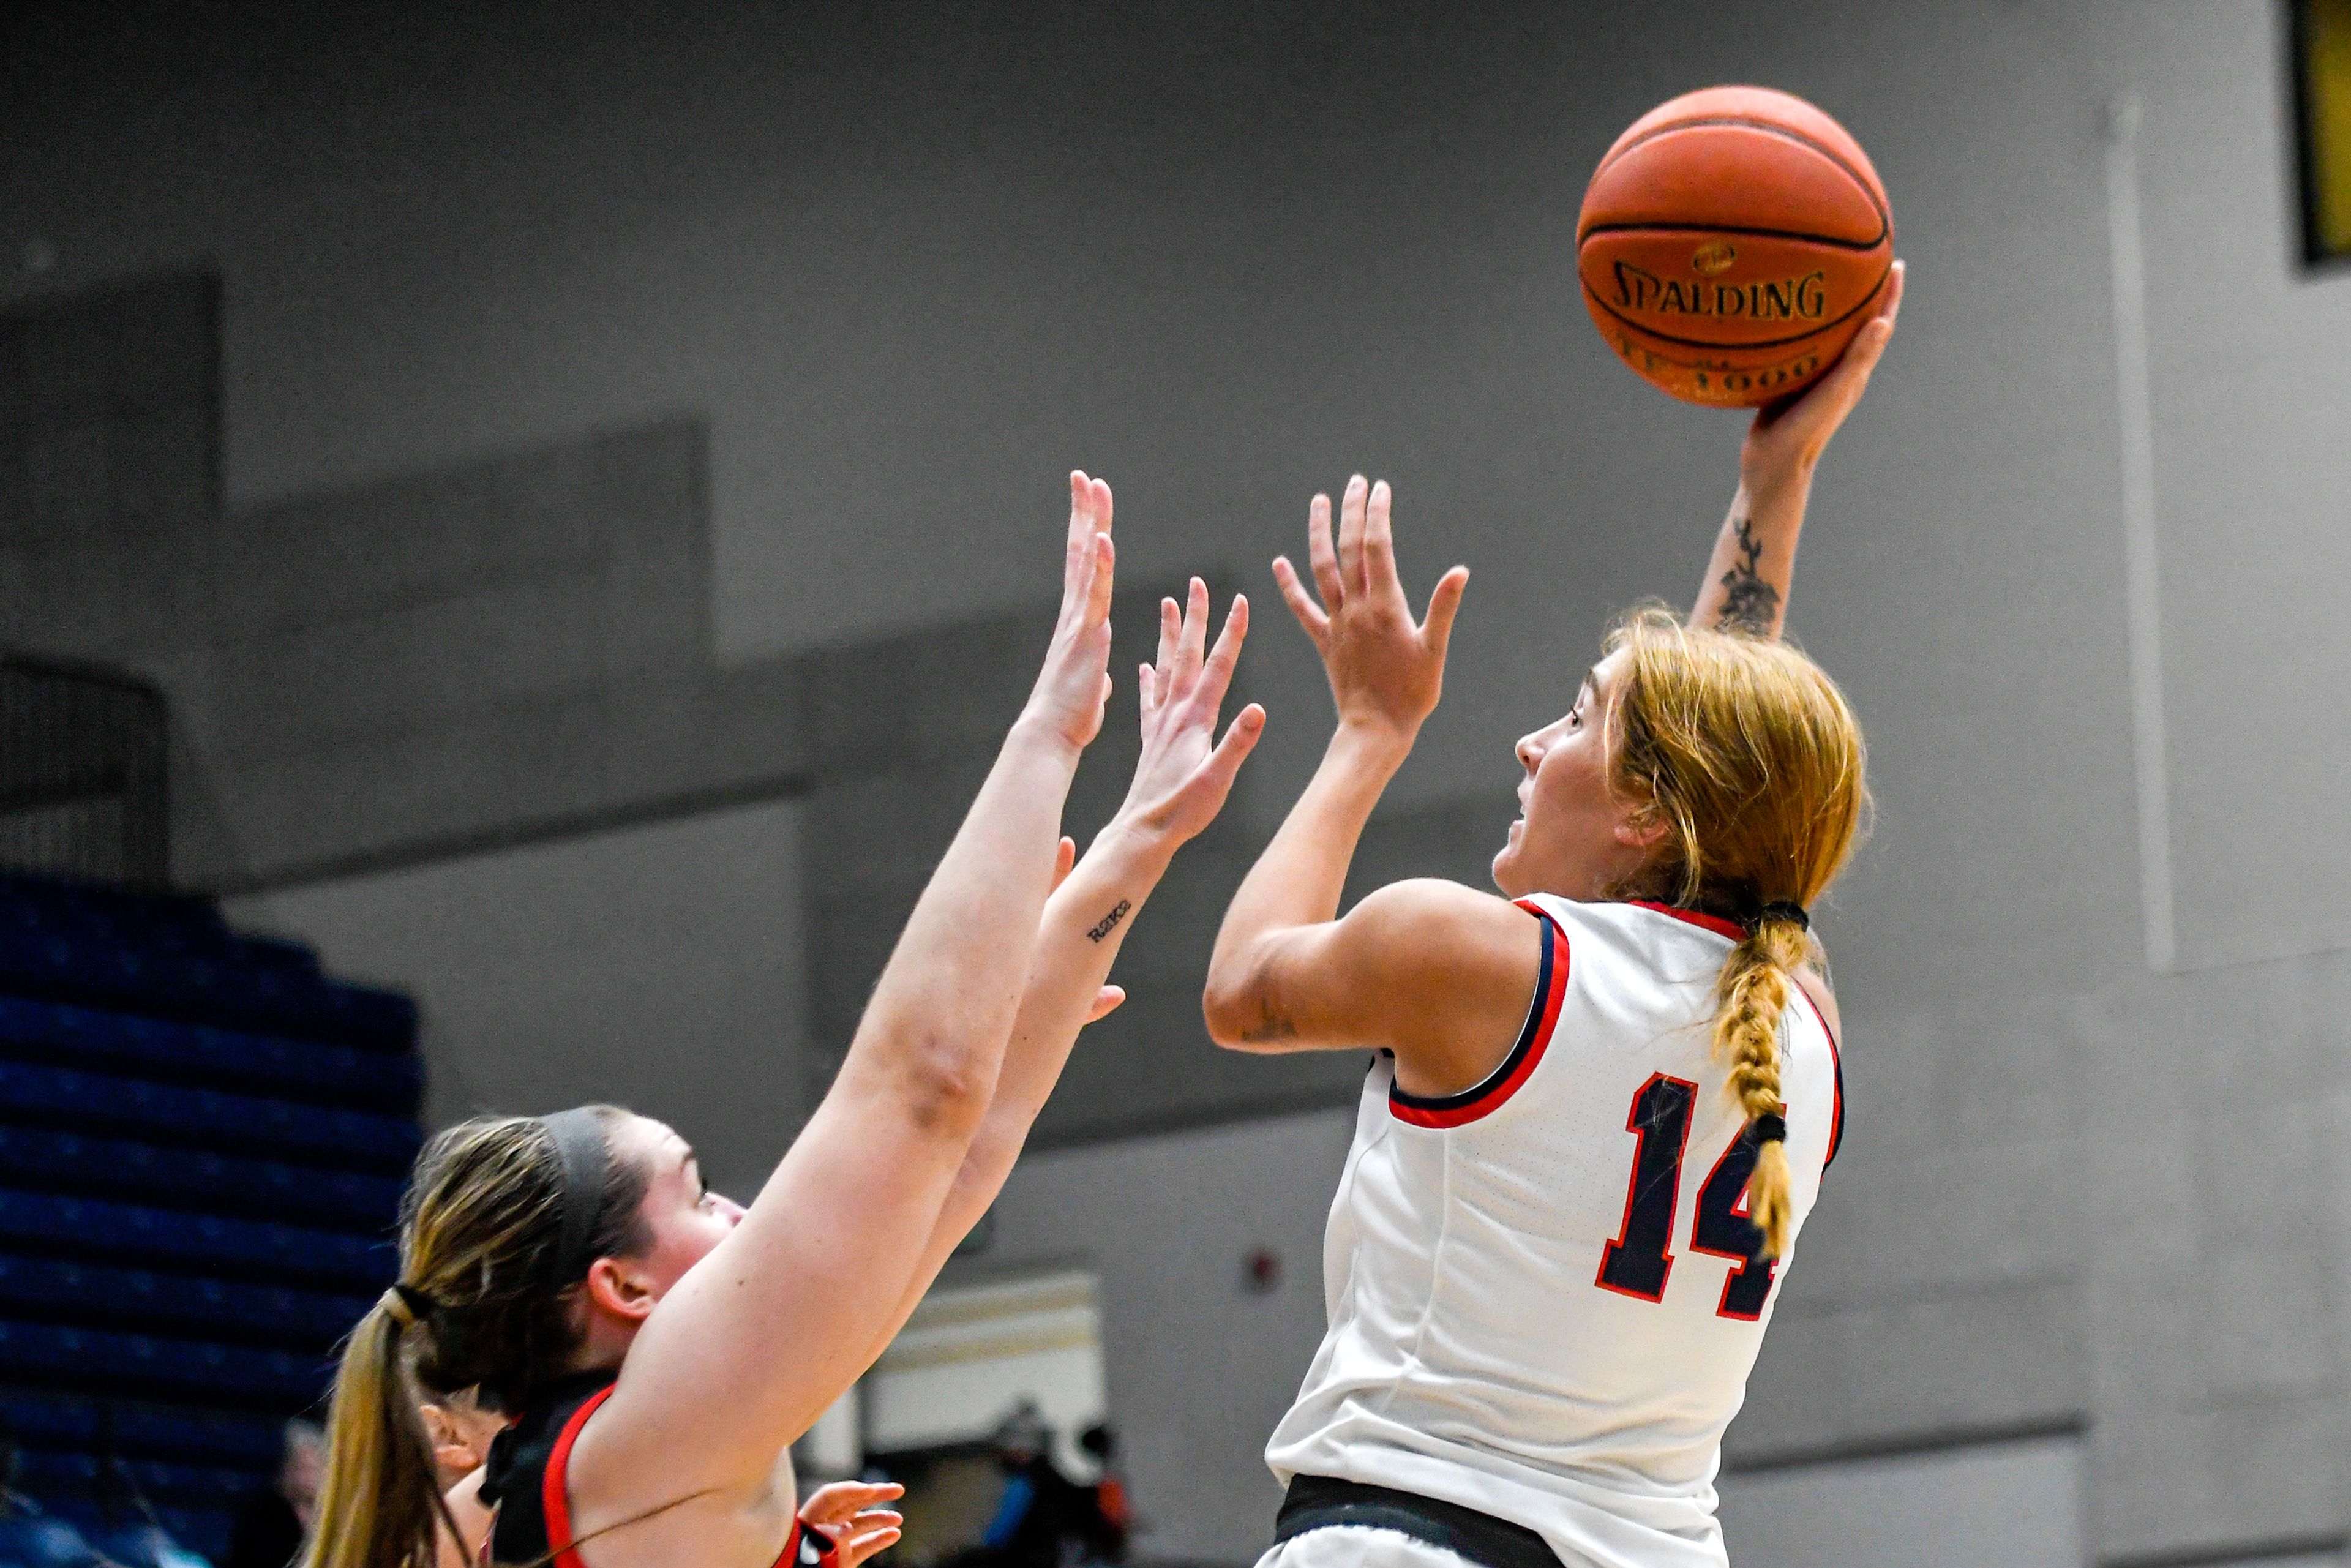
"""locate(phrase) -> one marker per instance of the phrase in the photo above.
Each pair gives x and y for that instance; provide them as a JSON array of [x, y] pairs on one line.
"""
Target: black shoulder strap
[[514, 1477]]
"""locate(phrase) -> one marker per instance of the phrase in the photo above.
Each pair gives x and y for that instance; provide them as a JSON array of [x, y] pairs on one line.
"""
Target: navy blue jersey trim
[[1529, 1032]]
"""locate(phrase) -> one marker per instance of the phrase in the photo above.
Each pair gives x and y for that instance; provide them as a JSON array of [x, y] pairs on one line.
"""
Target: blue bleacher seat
[[173, 957], [60, 1289], [33, 1159], [172, 1050], [234, 1374], [71, 1476], [97, 1230], [203, 1141], [181, 1434], [207, 1118]]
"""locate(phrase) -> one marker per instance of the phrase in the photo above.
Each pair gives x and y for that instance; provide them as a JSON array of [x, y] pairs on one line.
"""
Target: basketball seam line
[[1594, 294], [1731, 229], [1786, 133]]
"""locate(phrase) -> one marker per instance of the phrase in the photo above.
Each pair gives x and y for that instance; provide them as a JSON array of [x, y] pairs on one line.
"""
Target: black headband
[[579, 1135]]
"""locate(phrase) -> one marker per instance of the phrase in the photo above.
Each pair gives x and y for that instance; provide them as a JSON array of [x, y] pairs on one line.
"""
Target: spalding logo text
[[1801, 299]]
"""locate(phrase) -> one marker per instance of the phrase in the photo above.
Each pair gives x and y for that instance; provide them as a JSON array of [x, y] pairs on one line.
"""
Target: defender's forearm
[[1085, 923], [945, 999]]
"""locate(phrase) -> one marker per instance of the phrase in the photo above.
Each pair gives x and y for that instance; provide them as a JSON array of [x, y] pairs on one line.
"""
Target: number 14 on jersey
[[1638, 1262]]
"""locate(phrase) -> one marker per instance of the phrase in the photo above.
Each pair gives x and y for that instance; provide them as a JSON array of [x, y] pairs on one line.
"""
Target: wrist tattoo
[[1108, 923], [1750, 604]]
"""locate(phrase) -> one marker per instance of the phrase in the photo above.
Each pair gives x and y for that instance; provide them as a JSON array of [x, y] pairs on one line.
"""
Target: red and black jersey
[[526, 1479]]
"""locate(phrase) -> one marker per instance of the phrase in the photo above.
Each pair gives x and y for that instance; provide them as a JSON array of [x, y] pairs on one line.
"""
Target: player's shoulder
[[1432, 919], [1446, 951]]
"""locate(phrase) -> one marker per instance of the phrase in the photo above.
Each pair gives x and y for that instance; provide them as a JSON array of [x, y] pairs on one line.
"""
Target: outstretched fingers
[[1444, 604], [1077, 552], [1192, 643], [1301, 603], [1217, 676], [1379, 544], [1224, 764], [1099, 586], [1171, 635], [850, 1503], [1154, 684], [1352, 508], [1320, 557], [1086, 575]]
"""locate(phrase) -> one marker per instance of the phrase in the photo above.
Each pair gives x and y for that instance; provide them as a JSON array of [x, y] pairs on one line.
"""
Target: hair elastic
[[405, 1304], [579, 1135], [1783, 909], [1769, 1130]]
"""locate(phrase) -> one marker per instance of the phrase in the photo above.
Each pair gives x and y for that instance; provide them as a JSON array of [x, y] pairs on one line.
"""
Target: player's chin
[[1506, 868]]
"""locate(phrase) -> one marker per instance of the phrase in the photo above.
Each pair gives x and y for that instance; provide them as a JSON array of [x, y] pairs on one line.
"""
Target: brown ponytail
[[1748, 754], [480, 1302], [382, 1494]]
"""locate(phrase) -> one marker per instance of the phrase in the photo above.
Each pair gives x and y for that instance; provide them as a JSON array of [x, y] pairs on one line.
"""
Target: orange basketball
[[1732, 243]]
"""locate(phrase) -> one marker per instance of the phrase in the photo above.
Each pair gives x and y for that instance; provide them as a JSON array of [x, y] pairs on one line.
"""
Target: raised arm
[[761, 1336], [1181, 782], [1431, 970], [1754, 561]]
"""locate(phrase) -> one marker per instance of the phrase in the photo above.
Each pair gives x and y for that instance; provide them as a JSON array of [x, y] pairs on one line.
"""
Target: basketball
[[1732, 243]]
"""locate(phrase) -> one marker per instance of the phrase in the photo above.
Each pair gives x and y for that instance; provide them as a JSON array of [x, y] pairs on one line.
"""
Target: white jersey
[[1542, 1295]]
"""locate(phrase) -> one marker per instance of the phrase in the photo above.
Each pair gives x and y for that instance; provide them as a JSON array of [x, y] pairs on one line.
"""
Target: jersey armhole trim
[[1483, 1099], [555, 1494], [1837, 1063], [554, 1491]]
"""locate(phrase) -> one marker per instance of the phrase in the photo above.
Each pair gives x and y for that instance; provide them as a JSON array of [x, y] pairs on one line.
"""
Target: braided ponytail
[[1752, 995]]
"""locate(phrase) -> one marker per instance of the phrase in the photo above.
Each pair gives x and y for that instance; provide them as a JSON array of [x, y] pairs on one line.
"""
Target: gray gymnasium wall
[[903, 271]]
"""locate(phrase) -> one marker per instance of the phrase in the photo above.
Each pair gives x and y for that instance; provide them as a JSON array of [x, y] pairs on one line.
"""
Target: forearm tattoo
[[1750, 604], [1108, 923]]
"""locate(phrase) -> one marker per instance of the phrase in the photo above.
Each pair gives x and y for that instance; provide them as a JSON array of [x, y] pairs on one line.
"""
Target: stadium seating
[[202, 1145]]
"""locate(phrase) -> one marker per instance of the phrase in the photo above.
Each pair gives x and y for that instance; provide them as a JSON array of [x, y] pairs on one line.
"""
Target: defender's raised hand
[[1182, 779], [1075, 681], [1386, 671]]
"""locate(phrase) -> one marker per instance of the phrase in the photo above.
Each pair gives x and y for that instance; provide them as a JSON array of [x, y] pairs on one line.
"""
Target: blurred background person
[[273, 1524]]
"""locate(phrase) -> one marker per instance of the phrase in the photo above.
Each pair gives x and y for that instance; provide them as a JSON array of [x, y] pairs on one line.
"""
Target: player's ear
[[1642, 827], [451, 1448], [618, 1287]]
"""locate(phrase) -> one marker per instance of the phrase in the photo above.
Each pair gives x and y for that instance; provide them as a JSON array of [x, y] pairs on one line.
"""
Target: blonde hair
[[479, 1303], [1751, 757]]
